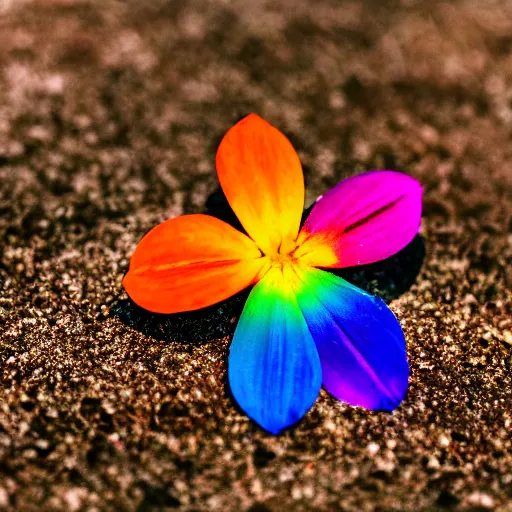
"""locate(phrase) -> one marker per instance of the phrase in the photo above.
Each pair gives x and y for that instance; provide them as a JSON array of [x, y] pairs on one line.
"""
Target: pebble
[[4, 498], [481, 499], [373, 448]]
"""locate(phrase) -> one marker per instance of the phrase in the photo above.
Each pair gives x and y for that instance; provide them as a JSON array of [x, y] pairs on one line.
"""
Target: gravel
[[110, 115]]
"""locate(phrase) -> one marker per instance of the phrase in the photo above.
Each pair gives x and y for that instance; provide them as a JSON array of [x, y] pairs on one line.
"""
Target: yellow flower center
[[278, 259], [284, 253], [312, 251]]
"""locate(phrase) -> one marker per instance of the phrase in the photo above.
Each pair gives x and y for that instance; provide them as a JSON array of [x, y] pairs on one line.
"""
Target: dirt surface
[[110, 115]]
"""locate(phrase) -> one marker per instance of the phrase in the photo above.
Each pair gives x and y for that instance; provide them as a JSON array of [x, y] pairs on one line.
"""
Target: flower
[[301, 326]]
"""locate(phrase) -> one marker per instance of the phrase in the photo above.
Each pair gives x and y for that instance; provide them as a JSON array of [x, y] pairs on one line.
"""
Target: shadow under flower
[[388, 279], [199, 326]]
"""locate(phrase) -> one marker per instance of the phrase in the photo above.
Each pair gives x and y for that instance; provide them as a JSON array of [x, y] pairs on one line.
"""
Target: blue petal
[[274, 369], [359, 340]]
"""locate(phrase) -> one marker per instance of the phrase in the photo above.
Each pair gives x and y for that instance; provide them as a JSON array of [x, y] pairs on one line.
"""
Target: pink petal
[[363, 219]]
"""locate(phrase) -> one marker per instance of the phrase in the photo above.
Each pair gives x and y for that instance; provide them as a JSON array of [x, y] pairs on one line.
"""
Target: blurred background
[[110, 116]]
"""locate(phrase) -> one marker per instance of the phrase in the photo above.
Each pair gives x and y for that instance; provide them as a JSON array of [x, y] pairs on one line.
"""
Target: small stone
[[480, 499], [286, 475], [42, 444], [433, 463], [330, 425], [4, 498], [308, 491], [296, 492], [429, 135], [256, 487], [444, 441], [74, 497], [391, 444], [373, 448]]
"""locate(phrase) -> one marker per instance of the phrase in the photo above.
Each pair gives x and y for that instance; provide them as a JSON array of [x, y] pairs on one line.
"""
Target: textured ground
[[110, 114]]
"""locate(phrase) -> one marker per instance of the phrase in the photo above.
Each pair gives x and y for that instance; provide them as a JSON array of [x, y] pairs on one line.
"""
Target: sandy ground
[[110, 115]]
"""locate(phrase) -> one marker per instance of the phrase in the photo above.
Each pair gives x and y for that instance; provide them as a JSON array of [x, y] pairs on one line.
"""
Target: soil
[[110, 115]]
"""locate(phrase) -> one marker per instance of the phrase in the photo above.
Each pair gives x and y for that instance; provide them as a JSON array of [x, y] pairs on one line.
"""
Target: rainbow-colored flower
[[301, 326]]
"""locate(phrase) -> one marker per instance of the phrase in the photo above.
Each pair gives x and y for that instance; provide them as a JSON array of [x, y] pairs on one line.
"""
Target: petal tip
[[388, 404], [266, 415], [276, 428], [250, 119], [128, 282], [253, 117]]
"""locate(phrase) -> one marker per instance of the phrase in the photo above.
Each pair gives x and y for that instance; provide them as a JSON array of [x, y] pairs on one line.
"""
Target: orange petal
[[261, 176], [191, 262]]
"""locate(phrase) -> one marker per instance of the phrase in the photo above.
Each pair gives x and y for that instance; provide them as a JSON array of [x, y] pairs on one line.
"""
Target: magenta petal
[[368, 217]]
